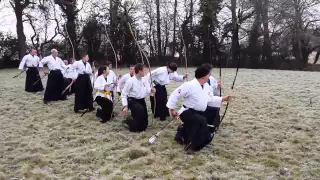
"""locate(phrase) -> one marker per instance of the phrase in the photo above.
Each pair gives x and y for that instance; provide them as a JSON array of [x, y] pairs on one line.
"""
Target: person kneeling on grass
[[103, 95], [133, 97], [196, 94]]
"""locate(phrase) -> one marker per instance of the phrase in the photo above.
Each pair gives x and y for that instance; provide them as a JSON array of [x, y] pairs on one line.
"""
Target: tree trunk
[[18, 10], [254, 47], [151, 34], [174, 27], [235, 33], [266, 39], [154, 41], [71, 12], [299, 52], [166, 39], [114, 5], [191, 28], [158, 29]]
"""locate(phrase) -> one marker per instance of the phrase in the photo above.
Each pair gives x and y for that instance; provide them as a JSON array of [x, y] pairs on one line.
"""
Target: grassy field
[[272, 128]]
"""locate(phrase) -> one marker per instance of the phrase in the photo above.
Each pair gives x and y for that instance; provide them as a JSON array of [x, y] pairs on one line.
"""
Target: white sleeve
[[43, 61], [114, 77], [99, 84], [89, 70], [23, 62], [147, 77], [181, 91], [121, 83], [125, 92], [155, 72], [148, 87], [62, 64], [152, 75], [216, 91], [215, 100], [75, 65], [74, 74], [176, 77]]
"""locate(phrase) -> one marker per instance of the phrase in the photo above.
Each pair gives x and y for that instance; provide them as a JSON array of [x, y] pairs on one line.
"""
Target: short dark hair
[[138, 67], [173, 66], [101, 69], [201, 72], [131, 66], [83, 54], [108, 63], [208, 66]]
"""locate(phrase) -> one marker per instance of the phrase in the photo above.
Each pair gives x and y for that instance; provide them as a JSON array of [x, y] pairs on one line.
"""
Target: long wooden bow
[[142, 52], [114, 52], [116, 59], [233, 83]]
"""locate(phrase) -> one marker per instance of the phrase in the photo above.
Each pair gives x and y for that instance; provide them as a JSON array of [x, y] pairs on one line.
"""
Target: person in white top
[[112, 77], [133, 97], [55, 82], [70, 75], [83, 94], [196, 95], [161, 77], [103, 96], [31, 62], [124, 79], [213, 113]]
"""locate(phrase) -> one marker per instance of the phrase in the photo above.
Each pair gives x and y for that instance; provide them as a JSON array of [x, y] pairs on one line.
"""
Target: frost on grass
[[271, 131]]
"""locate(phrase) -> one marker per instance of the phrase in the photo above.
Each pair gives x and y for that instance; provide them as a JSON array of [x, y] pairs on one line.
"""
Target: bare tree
[[19, 6], [41, 23]]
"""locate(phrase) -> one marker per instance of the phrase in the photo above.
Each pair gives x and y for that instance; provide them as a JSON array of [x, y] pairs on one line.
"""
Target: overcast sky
[[8, 20]]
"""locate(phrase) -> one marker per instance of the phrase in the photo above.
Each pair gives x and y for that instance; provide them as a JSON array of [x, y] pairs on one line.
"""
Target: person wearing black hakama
[[194, 133], [103, 95], [55, 82], [161, 77], [31, 62], [83, 93], [133, 97]]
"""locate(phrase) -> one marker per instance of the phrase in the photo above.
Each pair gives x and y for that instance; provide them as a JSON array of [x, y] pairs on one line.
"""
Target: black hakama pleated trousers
[[194, 132], [67, 82], [161, 97], [138, 121], [213, 117], [83, 93], [105, 113], [54, 87], [32, 77]]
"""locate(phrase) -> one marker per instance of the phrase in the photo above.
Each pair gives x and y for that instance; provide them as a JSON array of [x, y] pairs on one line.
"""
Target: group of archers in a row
[[201, 101]]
